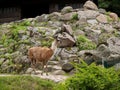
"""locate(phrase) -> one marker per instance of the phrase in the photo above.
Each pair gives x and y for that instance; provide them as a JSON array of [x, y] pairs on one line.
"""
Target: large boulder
[[66, 40], [66, 10], [114, 16], [112, 60], [42, 18], [102, 18], [90, 5], [68, 16], [97, 56], [89, 14], [114, 45], [67, 28]]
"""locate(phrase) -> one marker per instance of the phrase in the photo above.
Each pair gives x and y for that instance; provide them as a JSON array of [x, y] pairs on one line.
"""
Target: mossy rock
[[102, 39]]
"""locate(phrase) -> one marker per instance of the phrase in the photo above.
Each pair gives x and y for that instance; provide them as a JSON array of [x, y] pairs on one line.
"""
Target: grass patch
[[24, 83], [83, 43]]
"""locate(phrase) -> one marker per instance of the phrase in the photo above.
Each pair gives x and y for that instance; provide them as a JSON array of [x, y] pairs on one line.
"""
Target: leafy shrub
[[92, 77], [84, 43]]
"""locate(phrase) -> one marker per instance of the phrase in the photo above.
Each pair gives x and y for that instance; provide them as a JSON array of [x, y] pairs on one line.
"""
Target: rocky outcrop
[[89, 33], [90, 5], [65, 36]]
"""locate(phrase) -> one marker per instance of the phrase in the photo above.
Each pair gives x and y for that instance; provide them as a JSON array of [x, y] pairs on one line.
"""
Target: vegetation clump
[[24, 83], [83, 43], [91, 77]]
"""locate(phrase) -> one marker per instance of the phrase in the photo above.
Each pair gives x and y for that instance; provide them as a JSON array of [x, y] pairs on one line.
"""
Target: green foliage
[[24, 83], [92, 77], [109, 19], [104, 3], [61, 86], [75, 17], [84, 43], [47, 42], [110, 5], [25, 23], [11, 38]]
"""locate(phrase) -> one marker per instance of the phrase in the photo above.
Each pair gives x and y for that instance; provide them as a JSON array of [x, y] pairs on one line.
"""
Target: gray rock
[[55, 24], [42, 18], [66, 40], [4, 65], [52, 68], [58, 72], [103, 11], [66, 10], [114, 16], [117, 26], [67, 67], [3, 50], [108, 28], [2, 60], [114, 45], [82, 20], [89, 14], [89, 56], [103, 51], [67, 28], [102, 18], [29, 71], [92, 34], [55, 16], [90, 5], [112, 60], [117, 66], [78, 32], [92, 21], [68, 16]]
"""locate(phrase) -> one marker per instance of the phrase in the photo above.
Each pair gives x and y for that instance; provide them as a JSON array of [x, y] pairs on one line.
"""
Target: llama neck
[[54, 45]]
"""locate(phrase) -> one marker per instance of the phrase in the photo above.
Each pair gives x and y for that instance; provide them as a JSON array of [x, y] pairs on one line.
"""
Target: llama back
[[47, 53]]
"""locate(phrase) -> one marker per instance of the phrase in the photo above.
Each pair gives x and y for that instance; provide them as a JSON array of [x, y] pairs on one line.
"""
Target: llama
[[41, 55]]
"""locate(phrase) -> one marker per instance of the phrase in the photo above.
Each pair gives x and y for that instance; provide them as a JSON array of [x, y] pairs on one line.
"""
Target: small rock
[[67, 67], [92, 21], [29, 71], [58, 72]]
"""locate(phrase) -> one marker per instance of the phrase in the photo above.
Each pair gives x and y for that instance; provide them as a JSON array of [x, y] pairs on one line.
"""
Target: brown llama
[[41, 55]]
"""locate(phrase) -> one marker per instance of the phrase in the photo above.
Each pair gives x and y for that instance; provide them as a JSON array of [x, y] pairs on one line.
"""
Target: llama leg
[[33, 65], [46, 69], [42, 68]]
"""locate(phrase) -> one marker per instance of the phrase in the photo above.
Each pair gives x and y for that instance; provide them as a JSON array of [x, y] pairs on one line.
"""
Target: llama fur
[[41, 55]]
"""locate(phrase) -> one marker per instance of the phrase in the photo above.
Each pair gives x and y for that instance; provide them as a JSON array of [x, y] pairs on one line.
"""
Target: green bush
[[84, 43], [92, 77], [75, 17]]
